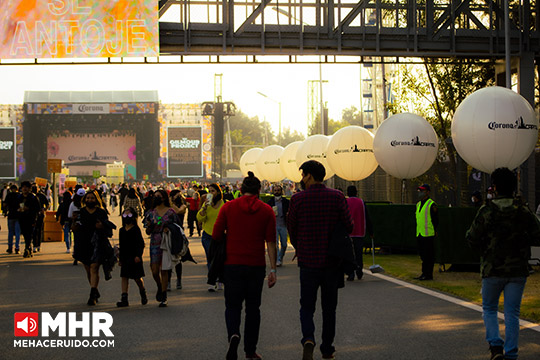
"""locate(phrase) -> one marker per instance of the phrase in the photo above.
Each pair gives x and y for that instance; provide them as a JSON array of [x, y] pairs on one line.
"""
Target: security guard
[[427, 219]]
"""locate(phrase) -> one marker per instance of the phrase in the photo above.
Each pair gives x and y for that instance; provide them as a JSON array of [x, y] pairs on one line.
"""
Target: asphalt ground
[[377, 318]]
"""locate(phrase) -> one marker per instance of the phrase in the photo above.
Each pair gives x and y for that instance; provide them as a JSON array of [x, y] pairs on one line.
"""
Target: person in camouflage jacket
[[503, 232]]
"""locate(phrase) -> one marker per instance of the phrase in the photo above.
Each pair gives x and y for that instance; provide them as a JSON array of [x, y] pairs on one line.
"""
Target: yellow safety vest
[[424, 226]]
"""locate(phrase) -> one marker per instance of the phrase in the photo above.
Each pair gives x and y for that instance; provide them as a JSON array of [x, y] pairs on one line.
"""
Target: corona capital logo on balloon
[[414, 142], [518, 124], [352, 149], [272, 162], [316, 156]]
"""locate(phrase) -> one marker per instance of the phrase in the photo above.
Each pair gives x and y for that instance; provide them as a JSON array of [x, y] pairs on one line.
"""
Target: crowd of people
[[238, 230]]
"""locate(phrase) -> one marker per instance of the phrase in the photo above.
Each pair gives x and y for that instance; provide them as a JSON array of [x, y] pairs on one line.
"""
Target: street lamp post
[[279, 106]]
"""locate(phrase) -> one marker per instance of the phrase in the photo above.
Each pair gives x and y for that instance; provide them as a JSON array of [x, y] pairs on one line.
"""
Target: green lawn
[[464, 285]]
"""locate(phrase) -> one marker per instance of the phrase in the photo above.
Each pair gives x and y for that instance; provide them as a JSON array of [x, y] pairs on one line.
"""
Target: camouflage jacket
[[503, 232]]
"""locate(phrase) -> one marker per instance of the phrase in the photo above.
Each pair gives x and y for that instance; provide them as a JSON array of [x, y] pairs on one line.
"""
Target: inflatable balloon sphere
[[494, 127], [248, 161], [350, 153], [405, 145], [314, 148], [268, 164], [287, 162]]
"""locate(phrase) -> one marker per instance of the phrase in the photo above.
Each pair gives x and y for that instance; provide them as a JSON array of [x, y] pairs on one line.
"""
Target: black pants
[[310, 281], [244, 283], [191, 219], [38, 231], [426, 249], [358, 245], [27, 231]]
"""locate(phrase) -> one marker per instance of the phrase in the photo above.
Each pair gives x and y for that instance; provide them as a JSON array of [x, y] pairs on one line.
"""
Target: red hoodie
[[249, 223]]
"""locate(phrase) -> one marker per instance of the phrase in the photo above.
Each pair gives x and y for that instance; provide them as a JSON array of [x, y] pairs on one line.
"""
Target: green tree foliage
[[333, 126], [288, 136], [434, 90]]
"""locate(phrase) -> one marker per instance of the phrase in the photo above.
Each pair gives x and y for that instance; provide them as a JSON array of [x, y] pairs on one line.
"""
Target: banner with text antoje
[[184, 151], [78, 28], [8, 160]]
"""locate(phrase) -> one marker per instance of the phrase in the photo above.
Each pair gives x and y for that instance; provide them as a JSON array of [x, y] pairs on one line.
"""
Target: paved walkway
[[377, 318]]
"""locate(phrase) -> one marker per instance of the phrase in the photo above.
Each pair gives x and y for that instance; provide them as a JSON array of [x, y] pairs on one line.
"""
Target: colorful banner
[[78, 28], [184, 151], [119, 108], [7, 153]]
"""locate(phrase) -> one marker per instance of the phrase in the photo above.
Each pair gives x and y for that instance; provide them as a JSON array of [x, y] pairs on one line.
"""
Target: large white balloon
[[494, 127], [248, 161], [268, 164], [405, 145], [314, 148], [287, 162], [350, 153]]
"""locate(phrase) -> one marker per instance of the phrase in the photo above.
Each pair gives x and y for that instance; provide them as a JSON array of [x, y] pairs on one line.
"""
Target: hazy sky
[[194, 83]]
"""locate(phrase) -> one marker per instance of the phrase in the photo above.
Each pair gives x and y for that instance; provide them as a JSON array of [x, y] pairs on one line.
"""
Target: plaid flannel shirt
[[313, 214]]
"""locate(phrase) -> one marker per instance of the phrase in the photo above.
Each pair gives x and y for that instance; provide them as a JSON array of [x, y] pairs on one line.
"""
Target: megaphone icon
[[23, 325]]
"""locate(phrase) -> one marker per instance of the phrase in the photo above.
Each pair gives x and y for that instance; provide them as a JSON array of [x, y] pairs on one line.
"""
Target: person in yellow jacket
[[427, 220], [207, 215]]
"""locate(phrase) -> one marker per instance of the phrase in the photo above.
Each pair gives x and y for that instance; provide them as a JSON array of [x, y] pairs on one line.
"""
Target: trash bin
[[52, 228]]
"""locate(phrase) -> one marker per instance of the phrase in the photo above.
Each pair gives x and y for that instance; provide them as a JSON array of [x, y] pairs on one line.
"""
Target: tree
[[434, 91], [288, 137], [352, 116], [333, 126]]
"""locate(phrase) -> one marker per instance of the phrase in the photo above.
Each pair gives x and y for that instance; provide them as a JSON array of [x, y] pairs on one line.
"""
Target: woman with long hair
[[133, 201], [157, 222], [178, 203], [208, 216]]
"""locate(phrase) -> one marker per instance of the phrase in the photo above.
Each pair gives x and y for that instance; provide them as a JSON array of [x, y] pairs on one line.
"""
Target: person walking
[[193, 209], [362, 227], [122, 193], [130, 256], [178, 203], [313, 214], [43, 206], [64, 219], [157, 222], [133, 201], [427, 220], [503, 232], [11, 210], [29, 208], [249, 224], [90, 227], [207, 217], [280, 205]]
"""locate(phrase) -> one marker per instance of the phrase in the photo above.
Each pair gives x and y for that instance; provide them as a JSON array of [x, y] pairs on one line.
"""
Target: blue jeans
[[67, 234], [281, 242], [492, 287], [310, 281], [206, 240], [14, 229], [244, 283]]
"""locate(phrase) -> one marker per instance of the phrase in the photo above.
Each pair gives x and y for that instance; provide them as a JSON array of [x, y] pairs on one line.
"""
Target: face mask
[[472, 200], [490, 196], [302, 184], [421, 194], [129, 220], [91, 204], [278, 197], [158, 201]]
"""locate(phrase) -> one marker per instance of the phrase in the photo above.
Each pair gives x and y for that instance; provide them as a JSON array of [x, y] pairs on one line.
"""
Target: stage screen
[[84, 153], [184, 151], [78, 28], [7, 153]]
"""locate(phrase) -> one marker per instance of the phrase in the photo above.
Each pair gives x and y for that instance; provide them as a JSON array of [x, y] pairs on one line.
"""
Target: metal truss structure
[[344, 28]]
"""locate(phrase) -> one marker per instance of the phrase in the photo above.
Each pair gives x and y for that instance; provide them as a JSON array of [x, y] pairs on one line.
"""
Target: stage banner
[[184, 151], [78, 28], [7, 153]]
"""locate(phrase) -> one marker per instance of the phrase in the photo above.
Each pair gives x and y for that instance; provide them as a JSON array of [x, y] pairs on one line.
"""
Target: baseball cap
[[424, 187], [81, 192]]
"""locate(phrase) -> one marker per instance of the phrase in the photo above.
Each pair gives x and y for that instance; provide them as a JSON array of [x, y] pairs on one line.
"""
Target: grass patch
[[464, 285]]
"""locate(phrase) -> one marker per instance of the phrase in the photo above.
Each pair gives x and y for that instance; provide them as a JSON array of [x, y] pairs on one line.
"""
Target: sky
[[194, 83]]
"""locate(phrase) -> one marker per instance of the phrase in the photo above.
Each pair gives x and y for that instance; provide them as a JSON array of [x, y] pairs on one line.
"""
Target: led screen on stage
[[78, 28], [184, 151], [7, 153], [84, 153]]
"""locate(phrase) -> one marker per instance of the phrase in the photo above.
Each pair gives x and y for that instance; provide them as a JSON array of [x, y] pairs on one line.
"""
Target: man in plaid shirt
[[313, 215]]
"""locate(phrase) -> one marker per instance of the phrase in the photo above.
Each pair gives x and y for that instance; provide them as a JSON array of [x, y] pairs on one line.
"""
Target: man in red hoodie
[[249, 224]]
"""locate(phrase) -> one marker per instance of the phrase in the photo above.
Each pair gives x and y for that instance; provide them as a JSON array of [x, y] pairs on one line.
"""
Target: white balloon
[[350, 153], [268, 164], [405, 145], [494, 127], [314, 148], [248, 161], [287, 162]]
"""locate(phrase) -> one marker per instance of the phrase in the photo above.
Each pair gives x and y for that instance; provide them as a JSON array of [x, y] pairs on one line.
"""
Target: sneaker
[[309, 346], [35, 250], [169, 287], [232, 352], [9, 251], [67, 251], [220, 286], [278, 263], [17, 251], [496, 353], [328, 356], [212, 288], [178, 285], [253, 356]]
